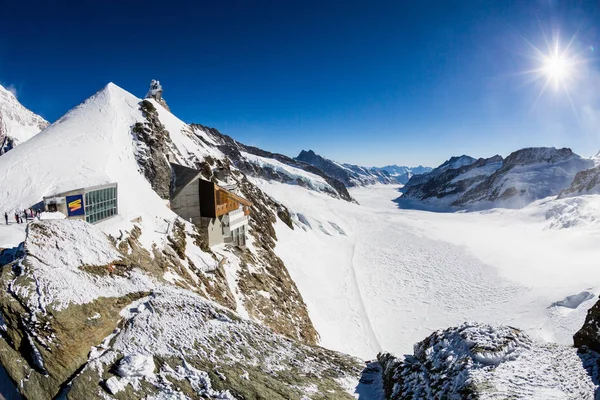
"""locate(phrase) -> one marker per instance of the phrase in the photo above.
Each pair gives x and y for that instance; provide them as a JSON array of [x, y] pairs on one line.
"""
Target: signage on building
[[75, 205]]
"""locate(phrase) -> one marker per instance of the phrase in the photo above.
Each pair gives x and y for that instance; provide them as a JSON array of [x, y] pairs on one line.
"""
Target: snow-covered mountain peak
[[17, 123], [457, 162]]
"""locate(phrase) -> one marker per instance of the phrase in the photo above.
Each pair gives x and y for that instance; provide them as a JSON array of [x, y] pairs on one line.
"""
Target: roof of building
[[234, 196], [181, 177]]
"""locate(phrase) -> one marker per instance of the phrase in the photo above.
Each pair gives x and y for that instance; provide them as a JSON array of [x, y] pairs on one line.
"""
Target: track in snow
[[398, 274]]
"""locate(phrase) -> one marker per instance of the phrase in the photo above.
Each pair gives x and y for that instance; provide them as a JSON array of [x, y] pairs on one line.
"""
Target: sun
[[557, 68]]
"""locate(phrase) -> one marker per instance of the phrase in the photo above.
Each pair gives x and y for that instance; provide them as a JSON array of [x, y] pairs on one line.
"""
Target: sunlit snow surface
[[377, 277]]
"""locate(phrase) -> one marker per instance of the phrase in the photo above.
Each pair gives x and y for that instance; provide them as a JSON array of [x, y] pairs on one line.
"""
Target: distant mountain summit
[[17, 123], [402, 173], [355, 175]]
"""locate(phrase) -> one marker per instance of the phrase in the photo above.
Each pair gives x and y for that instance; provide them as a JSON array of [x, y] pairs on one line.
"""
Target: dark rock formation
[[584, 182], [152, 152], [589, 334]]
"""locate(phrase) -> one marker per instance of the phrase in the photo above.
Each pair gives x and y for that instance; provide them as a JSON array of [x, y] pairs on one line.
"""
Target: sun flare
[[556, 67]]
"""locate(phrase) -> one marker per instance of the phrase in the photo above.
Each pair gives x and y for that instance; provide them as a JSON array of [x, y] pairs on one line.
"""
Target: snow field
[[397, 275]]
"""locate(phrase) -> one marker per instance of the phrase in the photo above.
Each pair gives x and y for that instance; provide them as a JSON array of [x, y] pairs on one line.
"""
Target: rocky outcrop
[[269, 293], [585, 182], [152, 139], [589, 334], [258, 271], [477, 361], [102, 321]]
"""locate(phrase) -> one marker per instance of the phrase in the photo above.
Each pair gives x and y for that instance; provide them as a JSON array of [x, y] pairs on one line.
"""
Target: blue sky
[[367, 82]]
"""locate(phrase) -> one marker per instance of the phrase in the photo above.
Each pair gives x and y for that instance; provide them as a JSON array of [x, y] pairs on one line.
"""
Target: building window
[[100, 204]]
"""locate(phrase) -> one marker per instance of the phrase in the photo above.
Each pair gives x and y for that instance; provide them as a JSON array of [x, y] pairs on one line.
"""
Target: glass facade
[[100, 204]]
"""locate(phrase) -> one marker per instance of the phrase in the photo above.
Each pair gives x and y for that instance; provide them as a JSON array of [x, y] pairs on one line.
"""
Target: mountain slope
[[94, 320], [116, 137], [527, 175], [585, 182], [17, 124]]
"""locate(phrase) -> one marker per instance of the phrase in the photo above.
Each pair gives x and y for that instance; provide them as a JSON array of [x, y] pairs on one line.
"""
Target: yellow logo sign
[[74, 205]]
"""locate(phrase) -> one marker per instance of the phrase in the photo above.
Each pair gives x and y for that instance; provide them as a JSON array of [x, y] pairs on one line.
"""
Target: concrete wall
[[187, 203], [214, 229]]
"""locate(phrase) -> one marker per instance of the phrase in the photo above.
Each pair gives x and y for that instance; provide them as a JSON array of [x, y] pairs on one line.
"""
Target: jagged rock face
[[102, 320], [349, 175], [284, 310], [585, 182], [17, 124], [448, 181], [231, 148], [477, 361], [589, 334], [152, 150]]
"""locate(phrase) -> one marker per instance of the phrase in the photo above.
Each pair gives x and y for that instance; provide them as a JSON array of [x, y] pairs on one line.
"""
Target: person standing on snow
[[17, 217], [6, 217]]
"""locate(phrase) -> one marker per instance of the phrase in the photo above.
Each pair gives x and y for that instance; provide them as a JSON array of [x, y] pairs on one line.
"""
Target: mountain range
[[354, 175], [524, 176], [334, 284]]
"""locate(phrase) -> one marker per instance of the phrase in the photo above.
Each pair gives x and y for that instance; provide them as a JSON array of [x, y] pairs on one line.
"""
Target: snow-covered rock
[[476, 361], [136, 365], [75, 315], [17, 123]]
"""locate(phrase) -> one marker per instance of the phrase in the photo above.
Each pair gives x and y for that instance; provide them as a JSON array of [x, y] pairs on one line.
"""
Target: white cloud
[[9, 87], [12, 88]]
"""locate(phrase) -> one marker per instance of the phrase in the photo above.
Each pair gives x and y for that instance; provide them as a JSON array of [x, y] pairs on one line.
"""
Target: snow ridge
[[17, 123]]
